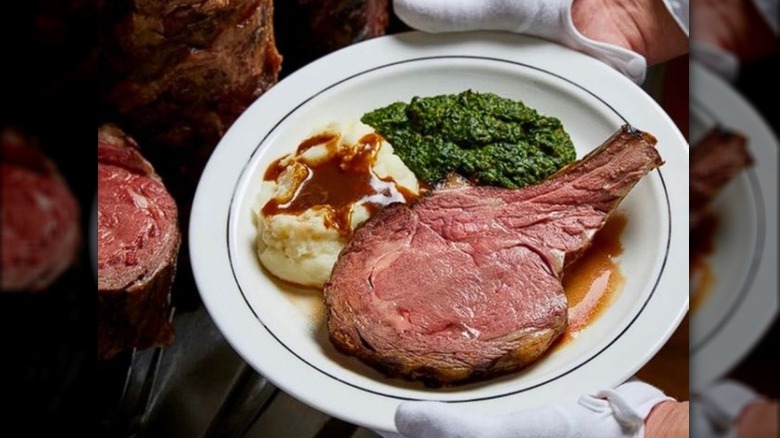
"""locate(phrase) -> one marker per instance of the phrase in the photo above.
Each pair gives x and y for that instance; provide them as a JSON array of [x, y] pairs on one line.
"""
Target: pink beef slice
[[715, 160], [466, 283], [138, 242], [40, 217]]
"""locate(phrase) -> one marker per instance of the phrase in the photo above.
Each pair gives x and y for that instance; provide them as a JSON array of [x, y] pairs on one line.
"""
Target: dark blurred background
[[48, 338]]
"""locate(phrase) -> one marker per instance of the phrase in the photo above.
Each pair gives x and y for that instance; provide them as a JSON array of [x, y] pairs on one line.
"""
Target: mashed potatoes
[[315, 198]]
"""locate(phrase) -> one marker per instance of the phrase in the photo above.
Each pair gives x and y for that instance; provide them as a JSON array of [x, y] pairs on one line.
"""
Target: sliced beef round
[[137, 245], [40, 218], [715, 160], [466, 283]]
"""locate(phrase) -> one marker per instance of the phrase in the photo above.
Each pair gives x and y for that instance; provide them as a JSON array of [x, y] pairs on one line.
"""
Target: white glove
[[619, 412], [714, 411], [548, 19], [717, 60], [724, 63]]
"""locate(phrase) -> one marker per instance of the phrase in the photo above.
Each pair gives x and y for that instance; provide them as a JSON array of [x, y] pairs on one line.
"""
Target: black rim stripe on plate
[[406, 61]]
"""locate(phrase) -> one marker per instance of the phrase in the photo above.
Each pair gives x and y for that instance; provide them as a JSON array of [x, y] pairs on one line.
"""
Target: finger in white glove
[[616, 412], [715, 410], [548, 19]]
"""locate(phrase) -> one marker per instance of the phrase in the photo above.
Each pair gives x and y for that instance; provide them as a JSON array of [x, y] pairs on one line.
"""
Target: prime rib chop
[[466, 283], [715, 160], [137, 245]]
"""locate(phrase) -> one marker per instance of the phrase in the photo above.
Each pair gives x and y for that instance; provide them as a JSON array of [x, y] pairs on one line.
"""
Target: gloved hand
[[548, 19], [619, 412], [715, 410], [728, 32]]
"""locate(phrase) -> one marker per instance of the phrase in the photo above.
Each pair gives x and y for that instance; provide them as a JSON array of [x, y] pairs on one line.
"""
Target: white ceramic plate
[[271, 325], [743, 301]]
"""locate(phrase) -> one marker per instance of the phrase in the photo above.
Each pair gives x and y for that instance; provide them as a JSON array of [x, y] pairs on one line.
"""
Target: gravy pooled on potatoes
[[335, 181]]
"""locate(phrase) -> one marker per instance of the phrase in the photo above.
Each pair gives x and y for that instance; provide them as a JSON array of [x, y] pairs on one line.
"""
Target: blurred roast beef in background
[[176, 74], [715, 160], [40, 217]]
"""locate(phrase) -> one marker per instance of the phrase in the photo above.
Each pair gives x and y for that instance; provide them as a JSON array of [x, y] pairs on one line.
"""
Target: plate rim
[[483, 38], [234, 206], [707, 365]]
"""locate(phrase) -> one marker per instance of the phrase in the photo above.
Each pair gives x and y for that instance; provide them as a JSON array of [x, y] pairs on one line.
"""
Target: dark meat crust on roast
[[119, 149], [180, 72], [133, 312], [715, 160], [137, 317], [17, 149], [465, 284], [338, 23], [309, 29]]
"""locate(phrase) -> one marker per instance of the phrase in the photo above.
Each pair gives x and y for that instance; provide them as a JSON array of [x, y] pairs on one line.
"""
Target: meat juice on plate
[[592, 281], [702, 278]]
